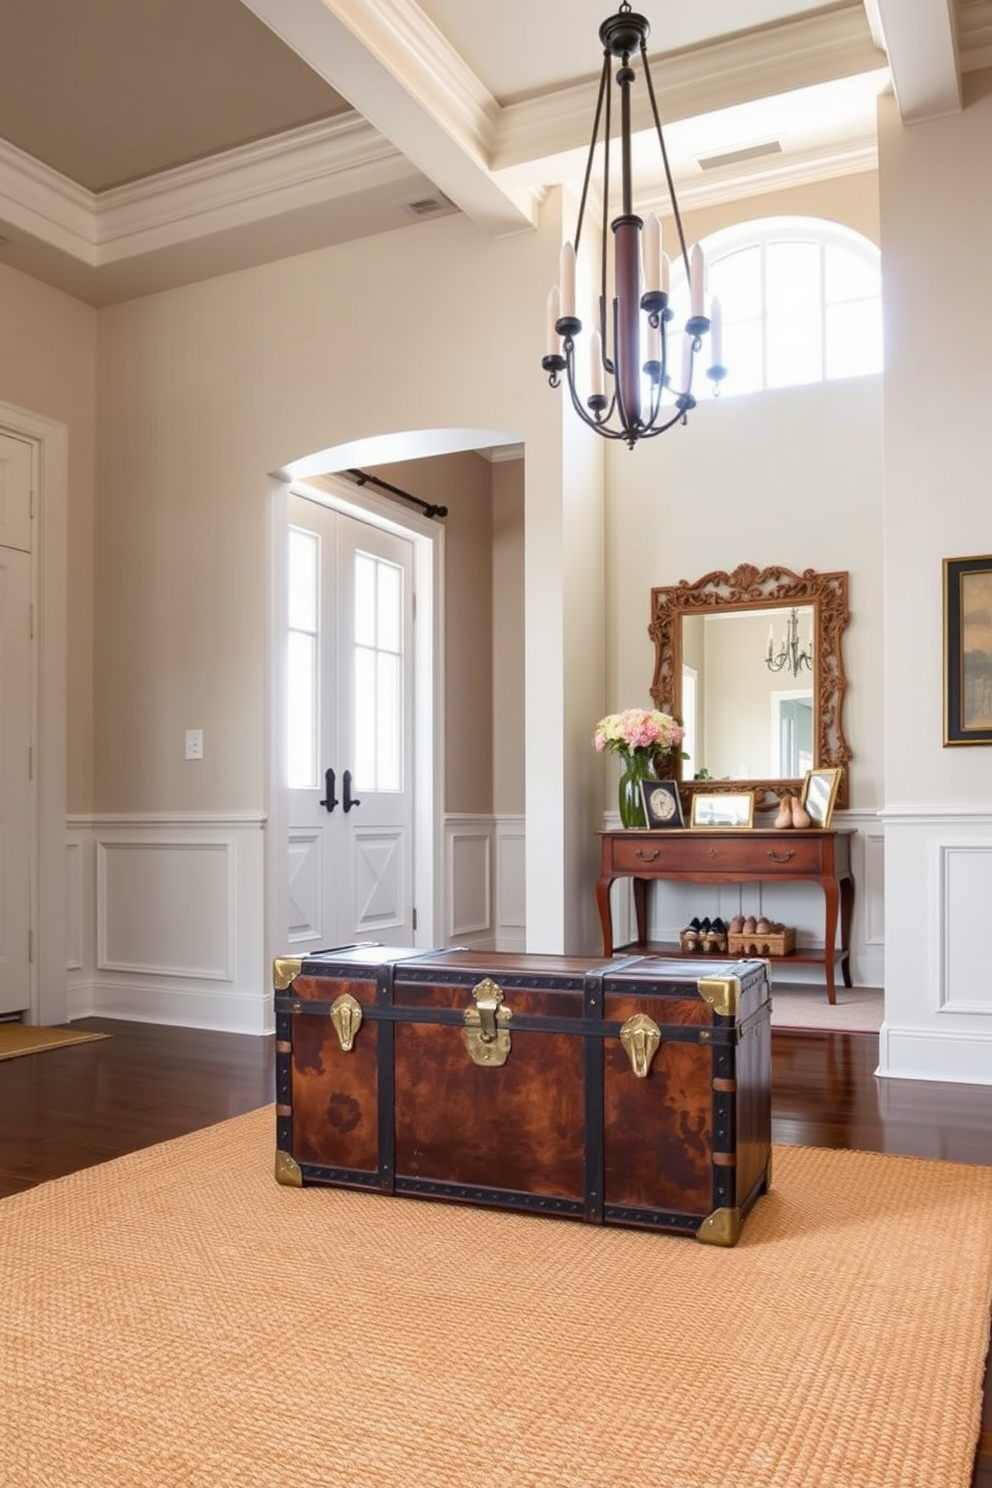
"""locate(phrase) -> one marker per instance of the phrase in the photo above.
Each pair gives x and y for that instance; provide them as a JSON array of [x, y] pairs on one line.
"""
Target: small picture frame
[[819, 794], [968, 650], [662, 805], [722, 809]]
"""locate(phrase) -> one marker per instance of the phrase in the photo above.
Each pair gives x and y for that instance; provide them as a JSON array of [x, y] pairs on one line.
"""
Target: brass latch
[[486, 1039], [346, 1015], [640, 1036]]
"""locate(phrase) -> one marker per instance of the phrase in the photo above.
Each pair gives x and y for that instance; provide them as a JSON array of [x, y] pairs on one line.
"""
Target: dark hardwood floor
[[69, 1108]]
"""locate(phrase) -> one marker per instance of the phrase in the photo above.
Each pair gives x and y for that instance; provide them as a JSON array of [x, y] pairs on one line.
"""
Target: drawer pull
[[783, 858], [644, 855]]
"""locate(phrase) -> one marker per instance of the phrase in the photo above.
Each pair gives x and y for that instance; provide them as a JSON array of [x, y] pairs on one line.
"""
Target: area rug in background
[[857, 1009], [177, 1318], [18, 1038]]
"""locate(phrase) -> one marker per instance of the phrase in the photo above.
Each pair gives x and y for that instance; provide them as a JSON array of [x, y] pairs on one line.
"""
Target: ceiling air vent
[[429, 206], [736, 157]]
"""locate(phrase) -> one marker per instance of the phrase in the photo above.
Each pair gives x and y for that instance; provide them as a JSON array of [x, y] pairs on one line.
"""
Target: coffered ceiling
[[146, 143]]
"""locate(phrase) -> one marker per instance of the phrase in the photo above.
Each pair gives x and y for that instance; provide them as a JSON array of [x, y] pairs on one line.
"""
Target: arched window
[[801, 302]]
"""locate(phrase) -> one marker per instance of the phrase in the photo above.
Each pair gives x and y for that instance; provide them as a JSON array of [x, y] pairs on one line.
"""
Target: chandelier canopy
[[791, 655], [629, 350]]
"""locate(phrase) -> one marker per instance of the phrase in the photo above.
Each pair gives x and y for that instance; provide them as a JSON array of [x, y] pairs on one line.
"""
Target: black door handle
[[330, 799], [349, 799]]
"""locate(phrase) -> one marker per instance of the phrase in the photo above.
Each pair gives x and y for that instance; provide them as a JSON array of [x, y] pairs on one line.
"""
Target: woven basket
[[771, 943], [686, 946]]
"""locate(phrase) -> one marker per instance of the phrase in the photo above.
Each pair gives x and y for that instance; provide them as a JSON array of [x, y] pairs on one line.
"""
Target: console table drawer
[[681, 853]]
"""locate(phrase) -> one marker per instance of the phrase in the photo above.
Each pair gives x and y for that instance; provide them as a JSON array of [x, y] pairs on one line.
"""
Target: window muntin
[[302, 658], [800, 300], [378, 673]]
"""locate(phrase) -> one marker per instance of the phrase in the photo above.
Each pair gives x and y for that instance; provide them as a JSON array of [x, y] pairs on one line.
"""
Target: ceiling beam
[[920, 41], [401, 75]]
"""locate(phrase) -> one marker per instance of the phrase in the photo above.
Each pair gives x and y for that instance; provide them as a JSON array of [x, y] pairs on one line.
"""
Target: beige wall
[[207, 388], [937, 440], [48, 349], [850, 200], [792, 477]]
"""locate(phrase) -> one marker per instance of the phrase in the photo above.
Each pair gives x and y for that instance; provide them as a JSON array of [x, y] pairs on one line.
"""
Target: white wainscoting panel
[[165, 907], [965, 875], [75, 867], [938, 1000], [468, 879], [177, 909], [511, 884]]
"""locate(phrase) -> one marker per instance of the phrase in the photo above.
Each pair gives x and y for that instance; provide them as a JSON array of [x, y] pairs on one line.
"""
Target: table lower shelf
[[671, 948]]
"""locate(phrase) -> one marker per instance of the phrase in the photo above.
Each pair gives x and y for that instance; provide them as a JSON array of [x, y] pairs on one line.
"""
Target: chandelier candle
[[628, 359]]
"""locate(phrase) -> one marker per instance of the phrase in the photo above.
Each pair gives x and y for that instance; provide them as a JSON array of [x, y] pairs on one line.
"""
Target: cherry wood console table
[[711, 856]]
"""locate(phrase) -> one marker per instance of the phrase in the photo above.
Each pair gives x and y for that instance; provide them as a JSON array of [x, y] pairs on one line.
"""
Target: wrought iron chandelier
[[641, 316], [791, 656]]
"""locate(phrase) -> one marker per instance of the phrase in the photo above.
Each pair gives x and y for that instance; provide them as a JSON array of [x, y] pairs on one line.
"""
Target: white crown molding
[[37, 200], [430, 70], [316, 163], [818, 48], [760, 177]]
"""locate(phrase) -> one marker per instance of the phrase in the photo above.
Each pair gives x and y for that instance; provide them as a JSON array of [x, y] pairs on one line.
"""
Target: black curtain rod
[[428, 508]]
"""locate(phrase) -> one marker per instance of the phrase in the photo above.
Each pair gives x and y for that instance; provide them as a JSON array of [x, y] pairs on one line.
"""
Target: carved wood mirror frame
[[750, 588]]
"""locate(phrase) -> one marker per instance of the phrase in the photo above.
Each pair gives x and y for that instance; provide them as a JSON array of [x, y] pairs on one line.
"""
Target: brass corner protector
[[288, 1171], [285, 970], [722, 1227], [722, 993]]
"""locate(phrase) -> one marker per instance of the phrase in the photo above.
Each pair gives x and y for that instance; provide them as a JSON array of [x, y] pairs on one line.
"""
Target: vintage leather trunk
[[634, 1091]]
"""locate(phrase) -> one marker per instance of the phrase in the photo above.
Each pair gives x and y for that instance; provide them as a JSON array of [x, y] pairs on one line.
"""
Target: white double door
[[349, 731], [16, 789]]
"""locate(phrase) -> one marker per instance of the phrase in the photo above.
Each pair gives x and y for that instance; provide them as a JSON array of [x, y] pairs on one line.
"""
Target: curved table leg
[[832, 896], [605, 918], [846, 916], [641, 909]]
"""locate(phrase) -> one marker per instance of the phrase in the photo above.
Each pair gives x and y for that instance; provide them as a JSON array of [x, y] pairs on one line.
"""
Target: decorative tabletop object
[[637, 736]]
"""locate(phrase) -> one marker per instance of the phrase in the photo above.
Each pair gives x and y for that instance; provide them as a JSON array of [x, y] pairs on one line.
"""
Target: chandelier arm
[[602, 415], [609, 349], [604, 78], [664, 156], [678, 417]]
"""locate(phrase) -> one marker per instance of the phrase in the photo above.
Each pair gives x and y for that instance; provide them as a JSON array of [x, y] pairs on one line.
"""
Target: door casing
[[427, 537]]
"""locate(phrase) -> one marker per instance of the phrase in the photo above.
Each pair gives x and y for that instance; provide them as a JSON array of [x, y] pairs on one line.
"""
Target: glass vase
[[636, 767]]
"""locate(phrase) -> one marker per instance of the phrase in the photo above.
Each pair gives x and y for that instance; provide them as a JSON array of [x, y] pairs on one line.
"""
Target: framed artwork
[[819, 794], [662, 805], [968, 650], [723, 810]]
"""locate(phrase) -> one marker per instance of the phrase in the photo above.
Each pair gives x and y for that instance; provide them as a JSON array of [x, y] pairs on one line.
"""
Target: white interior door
[[16, 859], [349, 731]]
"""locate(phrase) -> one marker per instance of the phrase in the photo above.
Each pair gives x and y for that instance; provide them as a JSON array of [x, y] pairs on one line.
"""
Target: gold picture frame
[[819, 796], [723, 811]]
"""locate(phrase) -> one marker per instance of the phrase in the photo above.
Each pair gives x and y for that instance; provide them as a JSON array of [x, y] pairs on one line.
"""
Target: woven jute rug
[[175, 1319], [19, 1038]]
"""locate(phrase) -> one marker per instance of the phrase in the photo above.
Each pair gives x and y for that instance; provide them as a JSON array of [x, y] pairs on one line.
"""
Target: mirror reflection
[[747, 693]]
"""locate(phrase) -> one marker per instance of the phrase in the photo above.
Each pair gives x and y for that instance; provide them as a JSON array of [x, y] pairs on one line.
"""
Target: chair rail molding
[[164, 919]]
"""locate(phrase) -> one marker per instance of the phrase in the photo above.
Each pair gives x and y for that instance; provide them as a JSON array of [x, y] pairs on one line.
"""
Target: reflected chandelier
[[632, 409], [791, 656]]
